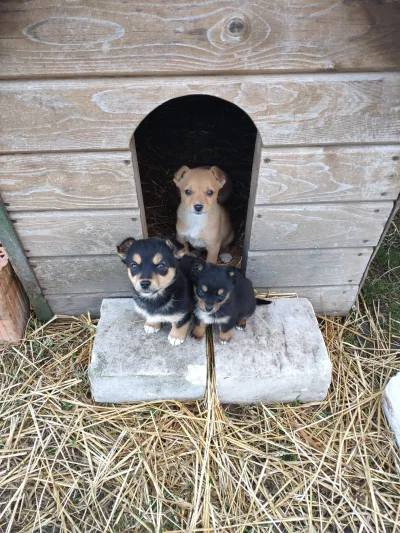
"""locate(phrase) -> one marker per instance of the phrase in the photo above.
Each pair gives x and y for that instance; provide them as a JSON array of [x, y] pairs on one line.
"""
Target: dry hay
[[72, 466]]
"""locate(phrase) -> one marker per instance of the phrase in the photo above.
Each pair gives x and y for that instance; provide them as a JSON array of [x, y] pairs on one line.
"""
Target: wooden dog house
[[320, 82]]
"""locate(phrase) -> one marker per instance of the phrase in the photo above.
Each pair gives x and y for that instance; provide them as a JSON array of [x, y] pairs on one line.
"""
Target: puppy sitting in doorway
[[202, 220], [223, 296], [161, 291]]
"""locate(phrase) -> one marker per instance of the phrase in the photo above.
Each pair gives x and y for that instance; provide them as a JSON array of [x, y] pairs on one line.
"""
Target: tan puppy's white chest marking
[[195, 224]]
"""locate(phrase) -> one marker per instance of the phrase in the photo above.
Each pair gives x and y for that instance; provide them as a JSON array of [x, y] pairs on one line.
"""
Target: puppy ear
[[176, 247], [219, 176], [197, 266], [234, 273], [180, 173], [122, 249]]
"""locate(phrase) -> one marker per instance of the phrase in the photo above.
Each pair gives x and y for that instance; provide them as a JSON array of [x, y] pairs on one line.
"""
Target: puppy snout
[[198, 208], [209, 308], [145, 284]]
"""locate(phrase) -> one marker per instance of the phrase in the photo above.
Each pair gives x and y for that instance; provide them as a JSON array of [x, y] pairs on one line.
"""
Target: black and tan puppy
[[223, 296], [161, 291]]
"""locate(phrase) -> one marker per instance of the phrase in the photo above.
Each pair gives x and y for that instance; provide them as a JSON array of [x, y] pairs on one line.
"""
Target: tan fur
[[137, 258], [155, 325], [157, 282], [157, 258], [225, 336], [199, 331], [212, 229], [204, 288], [241, 323], [179, 333]]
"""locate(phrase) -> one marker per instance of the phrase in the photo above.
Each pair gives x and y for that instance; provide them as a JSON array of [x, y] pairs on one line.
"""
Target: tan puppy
[[202, 221]]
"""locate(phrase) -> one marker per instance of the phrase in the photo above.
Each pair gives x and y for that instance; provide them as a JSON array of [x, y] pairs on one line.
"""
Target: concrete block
[[129, 365], [279, 357], [391, 405]]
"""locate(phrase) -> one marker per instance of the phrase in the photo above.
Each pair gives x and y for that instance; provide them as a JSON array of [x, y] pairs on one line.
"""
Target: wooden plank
[[77, 304], [80, 275], [329, 301], [102, 114], [22, 268], [342, 225], [34, 182], [43, 38], [75, 232], [296, 268], [329, 173]]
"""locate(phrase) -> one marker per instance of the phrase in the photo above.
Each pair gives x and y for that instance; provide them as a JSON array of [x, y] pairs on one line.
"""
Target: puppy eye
[[200, 292], [209, 192], [221, 296], [188, 192], [134, 265], [161, 265]]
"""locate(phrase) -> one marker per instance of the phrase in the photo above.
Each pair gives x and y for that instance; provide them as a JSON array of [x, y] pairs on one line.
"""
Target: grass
[[383, 282]]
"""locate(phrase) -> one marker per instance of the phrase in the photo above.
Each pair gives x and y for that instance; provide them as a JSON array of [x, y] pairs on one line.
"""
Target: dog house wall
[[323, 96]]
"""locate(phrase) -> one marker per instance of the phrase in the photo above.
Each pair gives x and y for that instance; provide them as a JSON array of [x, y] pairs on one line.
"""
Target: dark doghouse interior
[[194, 131]]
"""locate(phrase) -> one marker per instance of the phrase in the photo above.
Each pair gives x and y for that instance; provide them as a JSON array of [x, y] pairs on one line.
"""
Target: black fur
[[174, 299], [238, 293]]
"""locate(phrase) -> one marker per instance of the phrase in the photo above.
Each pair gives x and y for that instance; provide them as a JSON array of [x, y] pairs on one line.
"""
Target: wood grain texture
[[329, 301], [102, 114], [34, 182], [342, 225], [329, 173], [43, 38], [296, 268], [76, 232], [80, 275], [77, 304]]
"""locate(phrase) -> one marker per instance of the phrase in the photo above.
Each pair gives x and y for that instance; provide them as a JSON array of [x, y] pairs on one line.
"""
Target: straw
[[70, 465]]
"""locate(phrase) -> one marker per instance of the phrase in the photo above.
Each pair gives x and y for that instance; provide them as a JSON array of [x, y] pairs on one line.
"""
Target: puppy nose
[[209, 308], [198, 208], [145, 284]]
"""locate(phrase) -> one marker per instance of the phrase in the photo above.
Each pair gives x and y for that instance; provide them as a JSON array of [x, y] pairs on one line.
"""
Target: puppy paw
[[197, 333], [225, 258], [224, 341], [175, 341], [240, 328], [151, 329]]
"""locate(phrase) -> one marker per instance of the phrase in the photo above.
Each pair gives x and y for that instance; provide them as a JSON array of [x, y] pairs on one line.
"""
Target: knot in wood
[[235, 26]]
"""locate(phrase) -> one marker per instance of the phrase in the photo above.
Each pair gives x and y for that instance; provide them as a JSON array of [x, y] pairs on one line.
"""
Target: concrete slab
[[279, 357], [129, 365], [391, 405]]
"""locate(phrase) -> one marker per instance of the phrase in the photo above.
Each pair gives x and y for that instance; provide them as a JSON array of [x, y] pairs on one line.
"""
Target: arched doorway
[[195, 131]]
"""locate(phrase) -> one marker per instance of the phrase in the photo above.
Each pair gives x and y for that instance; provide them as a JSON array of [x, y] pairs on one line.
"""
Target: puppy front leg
[[225, 332], [212, 253], [152, 328], [199, 330], [185, 243], [179, 330]]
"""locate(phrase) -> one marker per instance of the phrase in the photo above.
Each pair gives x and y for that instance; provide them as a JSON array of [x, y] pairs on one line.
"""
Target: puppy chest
[[193, 227], [209, 319], [158, 315]]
